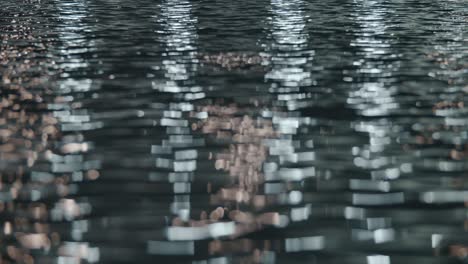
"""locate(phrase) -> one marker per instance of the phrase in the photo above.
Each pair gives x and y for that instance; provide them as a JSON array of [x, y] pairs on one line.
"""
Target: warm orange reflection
[[234, 60], [243, 161], [29, 135]]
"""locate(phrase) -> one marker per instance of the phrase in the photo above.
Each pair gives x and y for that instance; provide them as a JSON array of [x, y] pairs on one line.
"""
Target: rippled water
[[267, 131]]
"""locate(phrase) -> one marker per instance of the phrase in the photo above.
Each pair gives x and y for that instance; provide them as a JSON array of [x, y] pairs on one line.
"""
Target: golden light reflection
[[245, 141], [28, 135], [27, 132]]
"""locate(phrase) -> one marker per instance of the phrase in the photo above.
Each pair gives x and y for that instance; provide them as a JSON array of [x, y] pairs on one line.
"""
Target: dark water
[[277, 131]]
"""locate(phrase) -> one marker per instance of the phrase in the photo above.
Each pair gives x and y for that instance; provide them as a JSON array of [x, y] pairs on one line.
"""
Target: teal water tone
[[269, 131]]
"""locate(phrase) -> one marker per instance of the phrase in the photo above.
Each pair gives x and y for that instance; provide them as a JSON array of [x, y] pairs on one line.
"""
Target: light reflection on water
[[133, 131]]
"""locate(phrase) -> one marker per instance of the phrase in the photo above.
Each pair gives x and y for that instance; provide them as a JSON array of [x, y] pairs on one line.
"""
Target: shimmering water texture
[[219, 131]]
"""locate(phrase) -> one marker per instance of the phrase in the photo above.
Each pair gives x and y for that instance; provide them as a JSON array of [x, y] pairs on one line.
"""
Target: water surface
[[266, 131]]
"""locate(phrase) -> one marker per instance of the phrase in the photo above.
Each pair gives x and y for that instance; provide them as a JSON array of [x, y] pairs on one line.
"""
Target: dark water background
[[329, 131]]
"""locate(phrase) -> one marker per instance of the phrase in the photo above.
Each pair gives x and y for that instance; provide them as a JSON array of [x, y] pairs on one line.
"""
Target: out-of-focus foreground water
[[218, 131]]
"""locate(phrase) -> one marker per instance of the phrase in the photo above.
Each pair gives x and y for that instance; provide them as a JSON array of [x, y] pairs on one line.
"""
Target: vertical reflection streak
[[289, 57], [179, 63], [70, 161], [374, 82], [375, 68], [179, 66], [372, 97], [289, 75], [290, 159]]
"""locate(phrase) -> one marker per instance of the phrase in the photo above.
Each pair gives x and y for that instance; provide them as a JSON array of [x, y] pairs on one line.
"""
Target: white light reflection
[[378, 259], [179, 66], [289, 54], [180, 40], [373, 91], [290, 63], [215, 230], [70, 157], [74, 43], [373, 96], [304, 244], [289, 76]]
